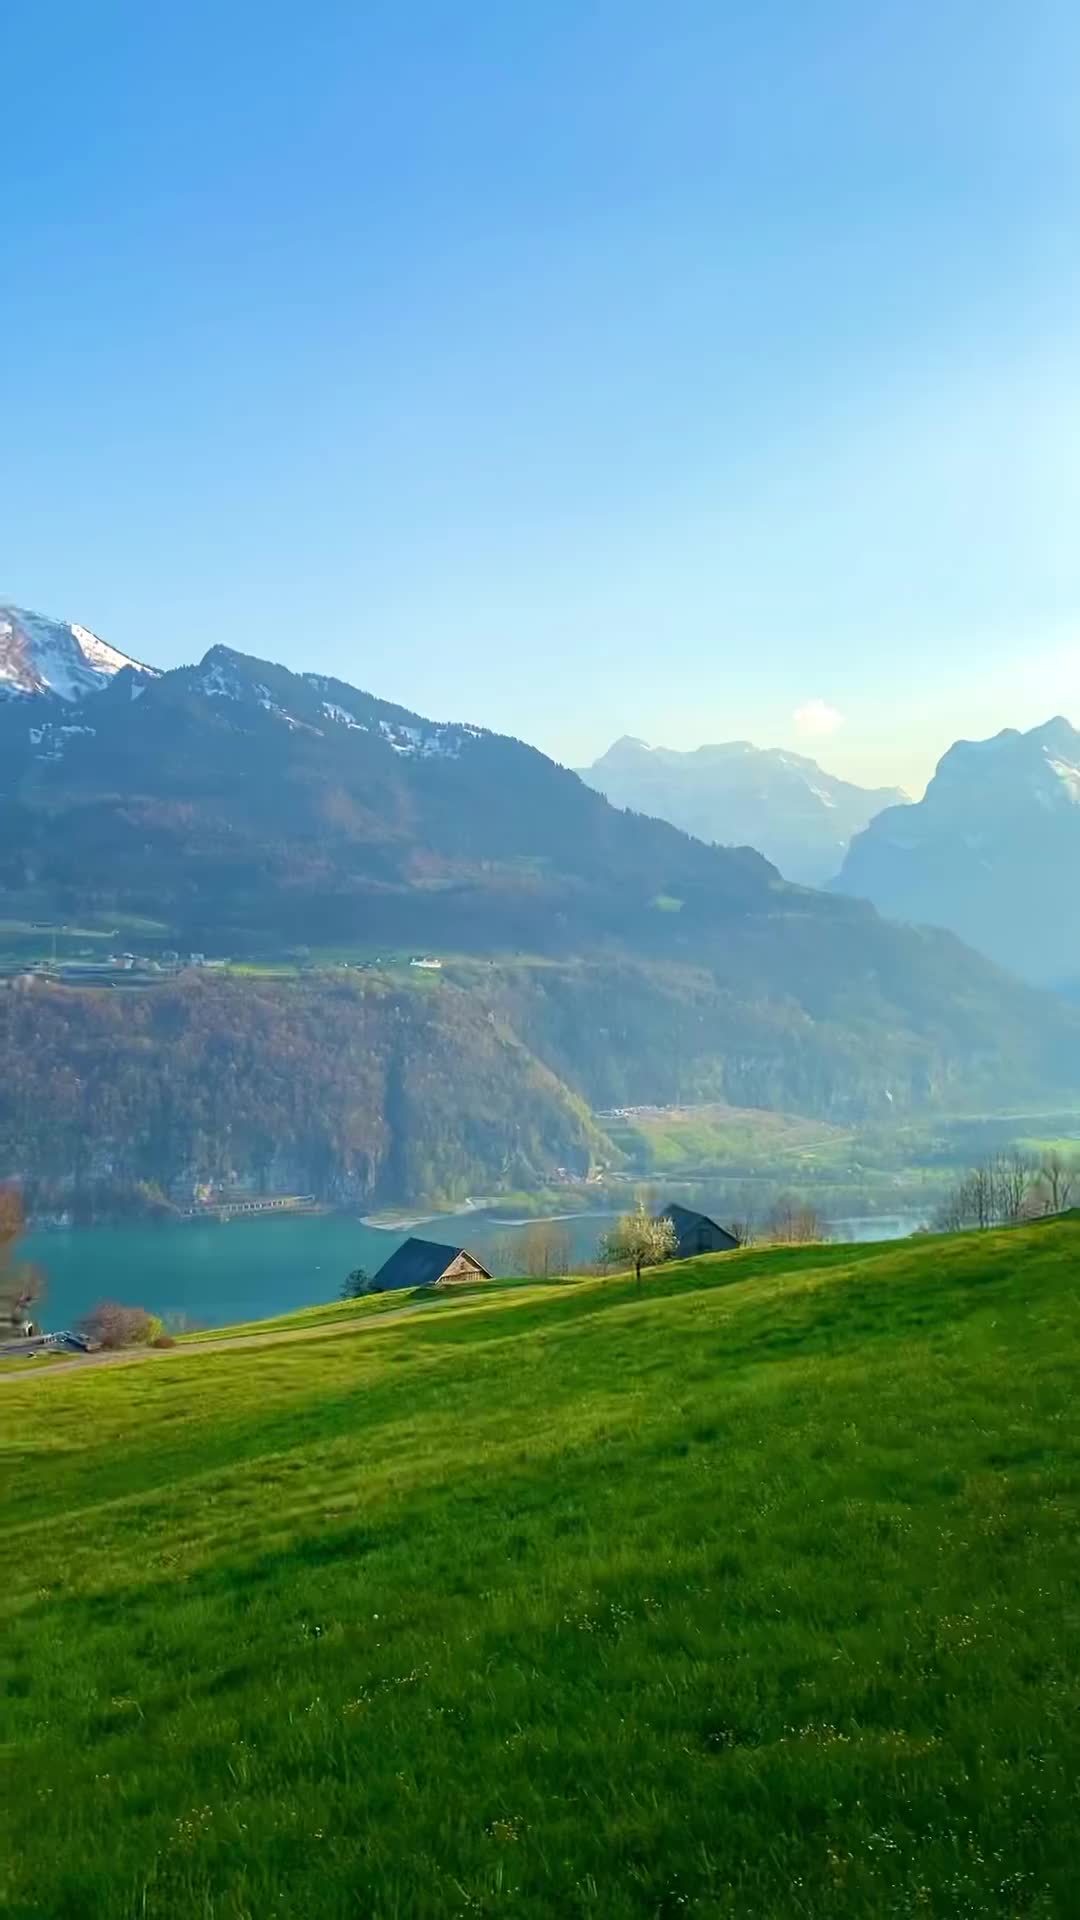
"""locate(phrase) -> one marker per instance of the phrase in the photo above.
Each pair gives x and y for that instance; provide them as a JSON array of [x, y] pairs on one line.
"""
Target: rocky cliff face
[[800, 817], [992, 852]]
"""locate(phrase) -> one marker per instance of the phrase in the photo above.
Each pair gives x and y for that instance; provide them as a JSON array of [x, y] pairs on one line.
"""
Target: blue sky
[[575, 366]]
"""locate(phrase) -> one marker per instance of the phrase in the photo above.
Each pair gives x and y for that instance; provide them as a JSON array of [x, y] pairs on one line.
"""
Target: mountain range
[[992, 851], [240, 809], [235, 799], [800, 817]]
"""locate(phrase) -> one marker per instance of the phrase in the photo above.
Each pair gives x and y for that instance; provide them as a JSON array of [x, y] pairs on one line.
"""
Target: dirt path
[[135, 1356]]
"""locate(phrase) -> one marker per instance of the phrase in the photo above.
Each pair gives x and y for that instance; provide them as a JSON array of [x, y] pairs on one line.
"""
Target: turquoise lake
[[245, 1270], [251, 1269]]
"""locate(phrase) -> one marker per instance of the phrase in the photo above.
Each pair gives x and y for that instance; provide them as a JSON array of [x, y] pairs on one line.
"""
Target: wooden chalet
[[696, 1233], [425, 1263]]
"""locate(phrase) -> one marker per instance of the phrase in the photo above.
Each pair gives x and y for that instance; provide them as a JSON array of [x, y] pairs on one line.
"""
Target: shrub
[[357, 1283], [111, 1325]]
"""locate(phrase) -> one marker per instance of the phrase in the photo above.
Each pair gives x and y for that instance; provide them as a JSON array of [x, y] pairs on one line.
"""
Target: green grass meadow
[[756, 1595]]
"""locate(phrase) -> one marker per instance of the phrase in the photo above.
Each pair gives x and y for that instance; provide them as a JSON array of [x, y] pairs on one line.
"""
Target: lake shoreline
[[195, 1273]]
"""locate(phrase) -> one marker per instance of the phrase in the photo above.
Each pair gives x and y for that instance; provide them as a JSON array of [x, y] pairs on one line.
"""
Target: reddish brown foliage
[[111, 1325], [20, 1282]]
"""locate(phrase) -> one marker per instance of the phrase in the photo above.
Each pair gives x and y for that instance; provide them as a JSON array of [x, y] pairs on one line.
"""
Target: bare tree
[[639, 1240], [949, 1215], [546, 1250], [506, 1256], [1012, 1175], [744, 1223], [1055, 1181], [973, 1202], [982, 1195], [1000, 1192], [794, 1222], [21, 1283]]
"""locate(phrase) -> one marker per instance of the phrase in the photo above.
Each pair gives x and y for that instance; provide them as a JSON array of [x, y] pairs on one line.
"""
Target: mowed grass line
[[756, 1596], [365, 1307]]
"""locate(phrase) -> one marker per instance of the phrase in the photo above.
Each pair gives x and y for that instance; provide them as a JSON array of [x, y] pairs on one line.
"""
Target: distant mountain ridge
[[992, 851], [800, 817], [234, 795], [249, 811]]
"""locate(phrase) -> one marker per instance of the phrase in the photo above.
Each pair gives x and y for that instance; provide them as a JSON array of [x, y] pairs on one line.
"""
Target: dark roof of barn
[[419, 1263], [682, 1218]]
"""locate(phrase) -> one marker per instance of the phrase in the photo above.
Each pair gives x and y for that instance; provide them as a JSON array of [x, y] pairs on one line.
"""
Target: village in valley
[[31, 951]]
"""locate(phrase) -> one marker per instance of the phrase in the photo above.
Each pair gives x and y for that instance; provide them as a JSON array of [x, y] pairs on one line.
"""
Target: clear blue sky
[[576, 366]]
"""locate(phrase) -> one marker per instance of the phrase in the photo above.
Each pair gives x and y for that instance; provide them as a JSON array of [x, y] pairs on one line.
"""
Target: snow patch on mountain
[[52, 741], [219, 685], [402, 739], [294, 725], [99, 653], [1069, 777], [342, 716], [56, 658], [442, 743]]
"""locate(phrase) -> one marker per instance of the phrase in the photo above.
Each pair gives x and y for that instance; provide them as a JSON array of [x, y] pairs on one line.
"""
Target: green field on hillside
[[684, 1138], [756, 1595], [368, 1306]]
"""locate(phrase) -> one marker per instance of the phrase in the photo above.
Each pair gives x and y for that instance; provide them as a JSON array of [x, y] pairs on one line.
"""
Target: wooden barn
[[696, 1233], [424, 1263]]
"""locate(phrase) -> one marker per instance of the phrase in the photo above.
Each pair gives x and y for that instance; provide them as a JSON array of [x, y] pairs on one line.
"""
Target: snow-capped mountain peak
[[39, 656]]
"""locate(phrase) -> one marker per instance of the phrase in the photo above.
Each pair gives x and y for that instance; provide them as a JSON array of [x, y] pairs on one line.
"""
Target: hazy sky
[[576, 366]]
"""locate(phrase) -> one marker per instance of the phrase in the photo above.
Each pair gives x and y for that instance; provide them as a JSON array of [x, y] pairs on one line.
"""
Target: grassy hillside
[[754, 1596]]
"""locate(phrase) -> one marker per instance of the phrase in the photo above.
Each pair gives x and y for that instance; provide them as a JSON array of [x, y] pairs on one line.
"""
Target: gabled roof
[[685, 1218], [419, 1263]]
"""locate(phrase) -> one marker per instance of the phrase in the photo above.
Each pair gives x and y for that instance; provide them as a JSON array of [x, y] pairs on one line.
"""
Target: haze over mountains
[[592, 957], [992, 851], [800, 817]]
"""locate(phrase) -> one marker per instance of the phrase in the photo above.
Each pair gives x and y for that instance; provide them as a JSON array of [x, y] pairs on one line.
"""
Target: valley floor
[[752, 1595]]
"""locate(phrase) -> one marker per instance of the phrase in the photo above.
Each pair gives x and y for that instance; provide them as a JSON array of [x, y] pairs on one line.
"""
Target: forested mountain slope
[[365, 1089], [351, 1093], [236, 800], [590, 955]]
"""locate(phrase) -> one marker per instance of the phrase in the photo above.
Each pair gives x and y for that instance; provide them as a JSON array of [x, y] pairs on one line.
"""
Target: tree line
[[1010, 1187]]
